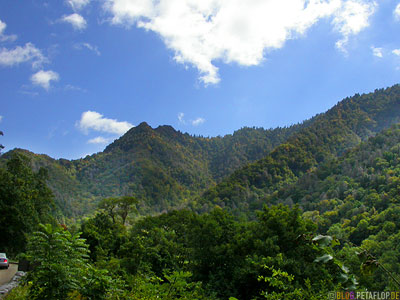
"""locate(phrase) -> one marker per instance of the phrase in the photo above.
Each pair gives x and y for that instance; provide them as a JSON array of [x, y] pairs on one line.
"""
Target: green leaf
[[322, 240], [324, 258]]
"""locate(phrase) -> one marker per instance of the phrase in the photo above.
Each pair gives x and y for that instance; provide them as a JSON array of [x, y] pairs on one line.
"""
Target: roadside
[[9, 279], [7, 274]]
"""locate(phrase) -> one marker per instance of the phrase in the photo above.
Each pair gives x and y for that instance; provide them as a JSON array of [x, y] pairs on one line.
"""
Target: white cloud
[[22, 54], [1, 118], [181, 118], [198, 121], [43, 78], [91, 120], [396, 52], [201, 33], [396, 12], [76, 20], [88, 46], [352, 19], [99, 140], [377, 52], [78, 4], [4, 37]]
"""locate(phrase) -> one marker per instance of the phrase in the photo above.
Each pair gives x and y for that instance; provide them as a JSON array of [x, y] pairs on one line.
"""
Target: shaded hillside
[[368, 174], [162, 166], [356, 198], [342, 127], [63, 182]]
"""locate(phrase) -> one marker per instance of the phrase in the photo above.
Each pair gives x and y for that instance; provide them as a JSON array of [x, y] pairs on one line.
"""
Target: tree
[[126, 205], [1, 146], [25, 200], [60, 259], [62, 270], [120, 206]]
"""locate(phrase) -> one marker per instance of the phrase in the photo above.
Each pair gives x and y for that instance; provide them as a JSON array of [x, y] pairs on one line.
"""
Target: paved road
[[7, 275]]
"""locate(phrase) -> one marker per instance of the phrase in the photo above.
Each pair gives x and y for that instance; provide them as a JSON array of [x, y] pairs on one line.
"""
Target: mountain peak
[[143, 125]]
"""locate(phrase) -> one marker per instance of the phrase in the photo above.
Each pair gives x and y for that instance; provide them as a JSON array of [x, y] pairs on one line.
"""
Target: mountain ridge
[[168, 169], [164, 166]]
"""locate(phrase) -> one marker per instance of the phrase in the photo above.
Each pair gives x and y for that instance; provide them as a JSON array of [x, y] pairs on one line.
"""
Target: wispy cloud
[[236, 31], [70, 87], [76, 20], [91, 120], [181, 116], [77, 4], [88, 46], [351, 19], [29, 93], [43, 78], [195, 122], [99, 140], [198, 121], [4, 37], [377, 52], [18, 55]]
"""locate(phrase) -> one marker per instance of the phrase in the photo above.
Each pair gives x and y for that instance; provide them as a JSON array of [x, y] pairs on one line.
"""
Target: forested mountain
[[163, 167], [168, 169], [356, 198], [318, 212], [330, 135]]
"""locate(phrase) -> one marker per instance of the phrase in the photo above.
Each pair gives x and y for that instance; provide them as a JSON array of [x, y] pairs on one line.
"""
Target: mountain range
[[167, 169]]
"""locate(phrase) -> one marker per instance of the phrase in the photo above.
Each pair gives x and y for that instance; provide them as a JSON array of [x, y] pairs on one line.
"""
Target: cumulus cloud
[[377, 52], [27, 53], [99, 140], [4, 37], [396, 52], [88, 46], [198, 121], [43, 78], [91, 120], [235, 31], [76, 20], [78, 4], [396, 12]]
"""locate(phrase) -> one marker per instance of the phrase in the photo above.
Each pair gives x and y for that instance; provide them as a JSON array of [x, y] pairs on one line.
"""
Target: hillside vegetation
[[329, 135], [162, 166], [318, 212]]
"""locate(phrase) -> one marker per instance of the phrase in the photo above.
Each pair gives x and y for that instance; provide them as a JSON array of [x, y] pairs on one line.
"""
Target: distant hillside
[[162, 166], [168, 169], [330, 135]]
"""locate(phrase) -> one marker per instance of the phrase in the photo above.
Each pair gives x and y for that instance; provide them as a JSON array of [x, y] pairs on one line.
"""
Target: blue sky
[[76, 74]]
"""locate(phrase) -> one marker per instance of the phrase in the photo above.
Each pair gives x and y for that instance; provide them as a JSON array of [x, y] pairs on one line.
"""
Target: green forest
[[286, 213]]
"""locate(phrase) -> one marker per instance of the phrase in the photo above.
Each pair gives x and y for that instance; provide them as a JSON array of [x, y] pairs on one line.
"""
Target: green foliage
[[176, 285], [120, 207], [59, 258], [326, 137], [162, 167], [25, 200], [61, 268], [103, 236], [20, 292], [328, 198]]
